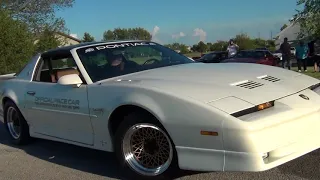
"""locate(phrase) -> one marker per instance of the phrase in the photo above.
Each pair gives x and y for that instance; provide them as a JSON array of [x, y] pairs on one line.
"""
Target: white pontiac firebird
[[159, 110]]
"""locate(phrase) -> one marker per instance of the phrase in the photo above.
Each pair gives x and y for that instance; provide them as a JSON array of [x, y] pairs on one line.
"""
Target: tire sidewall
[[129, 121], [24, 128]]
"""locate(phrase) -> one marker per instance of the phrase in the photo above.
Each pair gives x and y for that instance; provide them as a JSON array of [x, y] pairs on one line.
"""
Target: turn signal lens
[[264, 106], [209, 133], [254, 109]]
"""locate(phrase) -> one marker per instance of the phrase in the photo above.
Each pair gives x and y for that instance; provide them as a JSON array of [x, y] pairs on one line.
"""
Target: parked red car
[[253, 56]]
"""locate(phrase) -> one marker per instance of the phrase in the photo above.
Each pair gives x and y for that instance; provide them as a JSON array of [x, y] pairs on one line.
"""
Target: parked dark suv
[[213, 57]]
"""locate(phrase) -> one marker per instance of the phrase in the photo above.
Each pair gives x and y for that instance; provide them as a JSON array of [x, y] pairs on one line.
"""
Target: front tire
[[144, 149], [15, 124]]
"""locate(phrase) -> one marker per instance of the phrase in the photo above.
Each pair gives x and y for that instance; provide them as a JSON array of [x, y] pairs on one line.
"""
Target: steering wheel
[[151, 60]]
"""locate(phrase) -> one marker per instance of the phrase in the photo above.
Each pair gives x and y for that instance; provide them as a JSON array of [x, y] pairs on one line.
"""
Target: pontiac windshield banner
[[58, 102], [118, 45]]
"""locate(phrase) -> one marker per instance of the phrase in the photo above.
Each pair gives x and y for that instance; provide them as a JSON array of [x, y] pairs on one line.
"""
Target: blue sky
[[183, 21]]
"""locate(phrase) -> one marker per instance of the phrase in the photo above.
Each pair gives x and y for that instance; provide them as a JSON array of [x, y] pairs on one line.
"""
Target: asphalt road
[[47, 160]]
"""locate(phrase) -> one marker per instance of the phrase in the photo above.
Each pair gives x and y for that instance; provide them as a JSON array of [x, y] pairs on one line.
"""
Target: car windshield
[[111, 60]]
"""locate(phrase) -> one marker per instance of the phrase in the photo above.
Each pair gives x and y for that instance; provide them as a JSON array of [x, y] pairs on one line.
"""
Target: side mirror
[[71, 79]]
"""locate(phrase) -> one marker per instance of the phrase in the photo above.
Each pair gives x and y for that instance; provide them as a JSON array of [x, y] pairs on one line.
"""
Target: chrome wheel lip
[[130, 157], [13, 129]]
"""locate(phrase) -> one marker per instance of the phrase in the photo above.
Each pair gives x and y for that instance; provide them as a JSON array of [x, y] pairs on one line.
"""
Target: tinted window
[[259, 54], [224, 55], [251, 54], [244, 54], [208, 57], [111, 60]]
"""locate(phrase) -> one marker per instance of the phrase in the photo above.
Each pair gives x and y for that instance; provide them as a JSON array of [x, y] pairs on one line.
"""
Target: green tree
[[309, 18], [258, 43], [127, 34], [283, 27], [209, 46], [177, 46], [47, 40], [184, 49], [108, 35], [87, 37], [38, 14], [271, 45], [16, 47], [202, 47], [219, 46], [139, 34], [194, 48], [121, 34], [244, 41]]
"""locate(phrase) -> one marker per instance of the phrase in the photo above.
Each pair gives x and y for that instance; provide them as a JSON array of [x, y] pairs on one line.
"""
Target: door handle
[[32, 93]]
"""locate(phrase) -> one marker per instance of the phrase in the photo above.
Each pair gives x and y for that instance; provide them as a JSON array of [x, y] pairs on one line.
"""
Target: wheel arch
[[9, 96], [5, 100], [118, 114]]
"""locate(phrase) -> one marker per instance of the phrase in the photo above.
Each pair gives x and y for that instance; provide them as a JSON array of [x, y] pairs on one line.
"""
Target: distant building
[[291, 32], [65, 39]]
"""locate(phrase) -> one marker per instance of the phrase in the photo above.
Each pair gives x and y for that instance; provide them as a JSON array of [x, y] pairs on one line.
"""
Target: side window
[[208, 57], [223, 56], [51, 69], [63, 63]]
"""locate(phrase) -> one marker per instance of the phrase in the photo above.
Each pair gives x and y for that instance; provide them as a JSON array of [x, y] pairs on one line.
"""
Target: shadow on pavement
[[307, 166], [79, 158]]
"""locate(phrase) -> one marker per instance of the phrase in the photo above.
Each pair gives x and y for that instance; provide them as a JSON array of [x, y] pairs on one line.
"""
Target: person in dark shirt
[[312, 56], [285, 49]]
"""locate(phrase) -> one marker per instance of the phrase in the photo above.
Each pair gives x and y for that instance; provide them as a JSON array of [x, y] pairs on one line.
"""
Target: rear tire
[[15, 124], [144, 149]]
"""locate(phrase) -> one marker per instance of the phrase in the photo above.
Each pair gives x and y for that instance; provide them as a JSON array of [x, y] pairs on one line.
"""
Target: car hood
[[253, 83]]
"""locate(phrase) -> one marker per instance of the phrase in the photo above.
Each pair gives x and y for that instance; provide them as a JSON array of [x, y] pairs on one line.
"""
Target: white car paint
[[186, 99], [279, 55], [293, 51]]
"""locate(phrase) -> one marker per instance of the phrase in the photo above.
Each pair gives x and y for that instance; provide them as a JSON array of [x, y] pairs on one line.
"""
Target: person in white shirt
[[232, 48]]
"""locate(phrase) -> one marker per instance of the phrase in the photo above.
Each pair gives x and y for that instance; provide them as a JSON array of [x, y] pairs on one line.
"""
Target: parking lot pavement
[[47, 160]]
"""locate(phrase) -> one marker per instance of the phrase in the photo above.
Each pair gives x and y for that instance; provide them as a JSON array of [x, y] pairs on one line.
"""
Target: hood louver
[[247, 84], [269, 78]]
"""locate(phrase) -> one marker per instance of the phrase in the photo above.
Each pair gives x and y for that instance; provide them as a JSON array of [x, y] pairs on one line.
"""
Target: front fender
[[182, 117], [13, 90], [8, 93], [140, 100]]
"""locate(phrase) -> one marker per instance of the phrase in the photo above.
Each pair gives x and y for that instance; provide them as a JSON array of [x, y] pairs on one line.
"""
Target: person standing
[[286, 53], [312, 56], [232, 48], [301, 55]]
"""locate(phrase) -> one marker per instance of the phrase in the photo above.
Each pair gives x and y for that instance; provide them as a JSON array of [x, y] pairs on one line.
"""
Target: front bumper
[[239, 161], [289, 130], [218, 160]]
